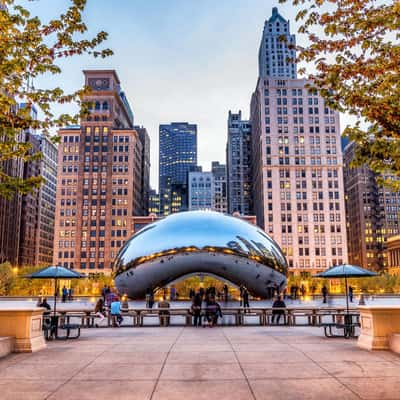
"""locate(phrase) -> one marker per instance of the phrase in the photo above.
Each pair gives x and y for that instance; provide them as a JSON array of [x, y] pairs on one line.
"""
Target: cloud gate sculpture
[[195, 242]]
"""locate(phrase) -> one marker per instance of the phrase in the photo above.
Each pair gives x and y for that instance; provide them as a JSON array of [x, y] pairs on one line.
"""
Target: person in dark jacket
[[196, 309], [213, 311], [278, 309], [351, 294], [324, 293], [245, 299]]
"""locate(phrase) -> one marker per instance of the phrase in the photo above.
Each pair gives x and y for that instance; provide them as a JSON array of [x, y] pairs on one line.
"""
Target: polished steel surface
[[204, 242]]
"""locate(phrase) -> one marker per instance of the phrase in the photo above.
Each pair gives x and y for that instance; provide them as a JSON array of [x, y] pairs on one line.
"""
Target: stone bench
[[380, 327], [394, 343], [24, 324], [6, 346]]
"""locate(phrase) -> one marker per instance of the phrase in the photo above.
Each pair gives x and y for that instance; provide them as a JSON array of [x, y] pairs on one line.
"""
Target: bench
[[68, 328], [241, 318], [348, 329]]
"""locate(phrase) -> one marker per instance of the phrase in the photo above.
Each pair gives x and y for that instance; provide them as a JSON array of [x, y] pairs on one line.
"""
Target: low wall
[[24, 324], [378, 324]]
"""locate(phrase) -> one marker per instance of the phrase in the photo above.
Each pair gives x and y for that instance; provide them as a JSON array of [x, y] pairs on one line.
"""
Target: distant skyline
[[178, 61]]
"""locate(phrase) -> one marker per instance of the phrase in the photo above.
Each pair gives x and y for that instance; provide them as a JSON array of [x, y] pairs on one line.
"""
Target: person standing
[[351, 294], [225, 289], [64, 294], [324, 294], [246, 304], [164, 314], [70, 294], [196, 309]]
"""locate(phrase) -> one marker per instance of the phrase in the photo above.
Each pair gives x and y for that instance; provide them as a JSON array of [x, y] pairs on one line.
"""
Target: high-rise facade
[[11, 212], [38, 207], [177, 156], [238, 164], [201, 191], [27, 221], [145, 166], [373, 214], [297, 165], [276, 58], [220, 187], [100, 179]]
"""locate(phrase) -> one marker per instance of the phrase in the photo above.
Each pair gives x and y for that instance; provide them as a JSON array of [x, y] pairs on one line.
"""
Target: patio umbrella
[[55, 272], [346, 271]]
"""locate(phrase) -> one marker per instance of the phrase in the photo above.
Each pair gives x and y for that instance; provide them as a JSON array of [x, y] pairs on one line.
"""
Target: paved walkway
[[188, 363]]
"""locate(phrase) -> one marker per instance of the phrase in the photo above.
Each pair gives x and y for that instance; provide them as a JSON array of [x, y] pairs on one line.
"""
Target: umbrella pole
[[55, 296], [347, 297]]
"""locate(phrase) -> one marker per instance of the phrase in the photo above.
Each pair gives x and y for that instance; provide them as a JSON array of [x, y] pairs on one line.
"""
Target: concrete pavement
[[188, 363]]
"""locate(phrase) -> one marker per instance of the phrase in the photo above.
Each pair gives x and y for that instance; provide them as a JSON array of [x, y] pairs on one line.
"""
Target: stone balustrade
[[24, 324], [379, 325]]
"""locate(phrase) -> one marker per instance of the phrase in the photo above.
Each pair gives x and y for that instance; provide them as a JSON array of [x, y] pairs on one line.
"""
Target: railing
[[291, 316]]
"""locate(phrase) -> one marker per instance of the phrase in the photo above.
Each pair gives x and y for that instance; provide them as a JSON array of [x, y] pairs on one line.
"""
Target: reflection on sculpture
[[200, 242]]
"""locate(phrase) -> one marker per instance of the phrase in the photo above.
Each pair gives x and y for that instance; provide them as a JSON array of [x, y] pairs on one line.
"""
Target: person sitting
[[116, 312], [213, 311], [278, 309], [45, 305], [163, 314], [99, 310]]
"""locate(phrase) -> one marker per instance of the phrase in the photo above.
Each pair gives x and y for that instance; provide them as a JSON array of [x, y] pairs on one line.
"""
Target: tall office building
[[296, 160], [100, 181], [220, 187], [275, 58], [201, 191], [154, 203], [10, 212], [145, 167], [373, 214], [38, 207], [27, 221], [238, 163], [177, 156]]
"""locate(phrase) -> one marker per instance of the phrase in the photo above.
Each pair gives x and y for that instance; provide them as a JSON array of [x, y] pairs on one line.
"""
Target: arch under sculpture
[[199, 242]]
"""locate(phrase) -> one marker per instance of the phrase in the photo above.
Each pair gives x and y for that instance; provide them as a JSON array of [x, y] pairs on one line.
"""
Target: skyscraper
[[296, 159], [27, 221], [275, 58], [201, 191], [220, 187], [177, 156], [373, 214], [238, 163], [100, 180]]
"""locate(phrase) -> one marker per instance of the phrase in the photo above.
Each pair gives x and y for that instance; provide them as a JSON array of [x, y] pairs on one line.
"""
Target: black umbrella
[[55, 272], [346, 271]]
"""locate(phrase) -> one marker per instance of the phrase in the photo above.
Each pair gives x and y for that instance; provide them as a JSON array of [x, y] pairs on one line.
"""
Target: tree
[[7, 278], [30, 49], [357, 63]]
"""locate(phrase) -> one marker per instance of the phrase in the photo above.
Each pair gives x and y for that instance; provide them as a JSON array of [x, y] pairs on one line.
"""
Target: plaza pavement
[[188, 363]]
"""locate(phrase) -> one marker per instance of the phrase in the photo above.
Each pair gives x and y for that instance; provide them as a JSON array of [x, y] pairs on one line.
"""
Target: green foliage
[[6, 278], [30, 49], [357, 62]]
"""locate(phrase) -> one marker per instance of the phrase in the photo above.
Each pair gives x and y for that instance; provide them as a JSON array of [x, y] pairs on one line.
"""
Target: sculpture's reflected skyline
[[202, 242]]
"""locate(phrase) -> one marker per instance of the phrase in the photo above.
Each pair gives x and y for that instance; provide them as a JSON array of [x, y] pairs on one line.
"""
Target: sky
[[178, 60]]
